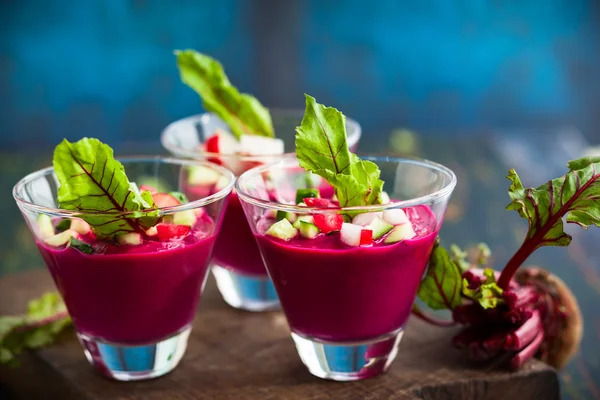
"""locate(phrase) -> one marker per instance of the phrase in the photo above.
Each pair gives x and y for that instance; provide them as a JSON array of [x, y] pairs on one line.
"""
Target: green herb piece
[[488, 295], [63, 225], [322, 148], [92, 181], [574, 195], [302, 194], [45, 319], [441, 287], [181, 197], [81, 246], [242, 112]]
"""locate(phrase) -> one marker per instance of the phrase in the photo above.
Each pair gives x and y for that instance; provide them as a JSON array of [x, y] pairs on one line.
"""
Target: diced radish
[[366, 237], [148, 188], [165, 200], [351, 234], [131, 238], [328, 222], [271, 214], [260, 145], [317, 202], [212, 144], [80, 226], [226, 142], [166, 231], [152, 231], [365, 219], [395, 216], [399, 233], [385, 198]]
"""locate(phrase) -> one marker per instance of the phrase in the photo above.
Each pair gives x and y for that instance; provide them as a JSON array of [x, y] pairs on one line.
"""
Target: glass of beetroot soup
[[237, 265], [132, 296], [346, 278]]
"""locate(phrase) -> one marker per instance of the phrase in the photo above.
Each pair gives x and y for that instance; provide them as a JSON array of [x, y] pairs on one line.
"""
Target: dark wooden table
[[476, 214], [245, 356]]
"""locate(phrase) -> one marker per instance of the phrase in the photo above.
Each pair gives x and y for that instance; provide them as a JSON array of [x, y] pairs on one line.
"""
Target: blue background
[[105, 68]]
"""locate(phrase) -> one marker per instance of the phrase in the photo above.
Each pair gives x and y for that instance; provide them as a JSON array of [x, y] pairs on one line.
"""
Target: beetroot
[[515, 313]]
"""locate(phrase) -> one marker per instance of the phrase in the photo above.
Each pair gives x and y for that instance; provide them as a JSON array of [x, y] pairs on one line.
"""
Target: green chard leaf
[[576, 195], [321, 148], [92, 180], [441, 287], [242, 112], [489, 294], [45, 319]]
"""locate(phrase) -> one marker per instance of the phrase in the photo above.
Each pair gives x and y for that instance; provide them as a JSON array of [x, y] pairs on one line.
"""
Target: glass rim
[[60, 212], [198, 154], [285, 163]]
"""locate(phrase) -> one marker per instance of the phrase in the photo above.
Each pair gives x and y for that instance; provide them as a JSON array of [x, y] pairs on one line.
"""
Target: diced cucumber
[[303, 218], [395, 217], [290, 216], [282, 230], [301, 194], [399, 233], [81, 246], [350, 234], [45, 226], [199, 175], [365, 219], [308, 230], [63, 225], [180, 196], [187, 217], [80, 226], [385, 198], [222, 183], [131, 238], [379, 228], [62, 238], [302, 204]]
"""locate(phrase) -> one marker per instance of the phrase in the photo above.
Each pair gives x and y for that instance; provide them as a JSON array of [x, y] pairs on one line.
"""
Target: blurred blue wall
[[105, 68]]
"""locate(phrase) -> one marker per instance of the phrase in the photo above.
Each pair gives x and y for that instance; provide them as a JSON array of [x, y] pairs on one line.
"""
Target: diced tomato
[[212, 144], [148, 188], [328, 222], [164, 200], [317, 202], [166, 231], [366, 237]]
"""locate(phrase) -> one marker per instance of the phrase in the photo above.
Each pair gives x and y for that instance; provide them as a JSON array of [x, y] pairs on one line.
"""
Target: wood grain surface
[[246, 356]]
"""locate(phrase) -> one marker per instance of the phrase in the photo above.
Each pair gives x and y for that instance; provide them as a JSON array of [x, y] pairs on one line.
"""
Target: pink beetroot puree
[[334, 292], [236, 247], [133, 294]]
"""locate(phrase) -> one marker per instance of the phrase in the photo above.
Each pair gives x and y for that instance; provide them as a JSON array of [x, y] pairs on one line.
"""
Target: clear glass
[[237, 265], [347, 306], [132, 305]]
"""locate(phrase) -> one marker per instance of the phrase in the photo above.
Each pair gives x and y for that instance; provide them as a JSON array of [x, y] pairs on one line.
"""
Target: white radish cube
[[260, 146], [385, 198], [350, 234], [395, 217], [365, 219], [228, 144]]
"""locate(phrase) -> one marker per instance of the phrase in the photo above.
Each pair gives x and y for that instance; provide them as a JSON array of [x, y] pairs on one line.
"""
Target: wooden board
[[245, 356]]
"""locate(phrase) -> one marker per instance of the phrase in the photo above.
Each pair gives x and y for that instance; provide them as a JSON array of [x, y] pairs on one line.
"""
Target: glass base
[[246, 292], [134, 363], [348, 361]]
